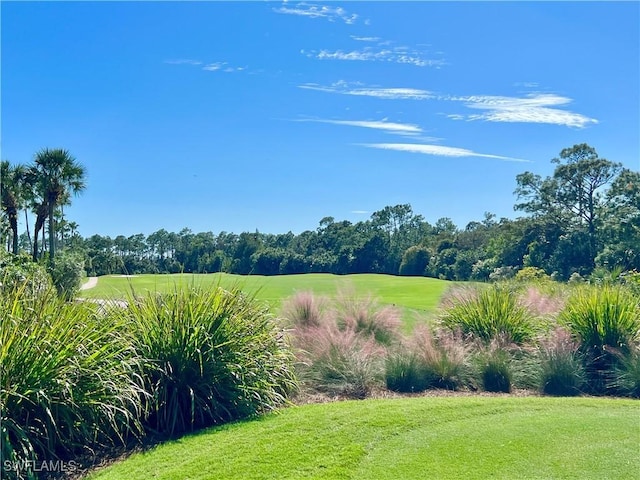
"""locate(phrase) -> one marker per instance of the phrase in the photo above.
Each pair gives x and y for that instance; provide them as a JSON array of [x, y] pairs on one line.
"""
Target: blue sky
[[240, 116]]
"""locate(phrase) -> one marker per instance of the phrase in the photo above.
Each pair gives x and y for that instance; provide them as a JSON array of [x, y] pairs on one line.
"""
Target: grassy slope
[[417, 293], [443, 438]]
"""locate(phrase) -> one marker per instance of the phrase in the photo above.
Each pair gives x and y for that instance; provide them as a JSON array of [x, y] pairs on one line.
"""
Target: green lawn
[[415, 293], [410, 438]]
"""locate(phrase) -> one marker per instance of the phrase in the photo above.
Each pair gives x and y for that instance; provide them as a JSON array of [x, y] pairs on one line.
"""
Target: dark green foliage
[[627, 374], [495, 367], [489, 313], [606, 320], [67, 274], [406, 372], [214, 356], [68, 379], [415, 261], [18, 272], [561, 365]]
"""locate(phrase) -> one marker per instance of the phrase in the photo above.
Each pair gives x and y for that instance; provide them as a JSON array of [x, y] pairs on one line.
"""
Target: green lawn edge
[[471, 437]]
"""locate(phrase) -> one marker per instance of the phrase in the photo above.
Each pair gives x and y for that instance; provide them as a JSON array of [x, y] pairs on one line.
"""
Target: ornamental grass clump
[[495, 364], [68, 380], [339, 362], [304, 309], [492, 312], [606, 320], [211, 356], [627, 374], [367, 317], [429, 360], [341, 347], [561, 364]]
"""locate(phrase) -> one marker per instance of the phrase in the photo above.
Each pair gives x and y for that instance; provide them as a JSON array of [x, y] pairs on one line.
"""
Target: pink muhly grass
[[445, 355], [541, 304], [304, 309], [458, 294], [367, 317], [341, 362]]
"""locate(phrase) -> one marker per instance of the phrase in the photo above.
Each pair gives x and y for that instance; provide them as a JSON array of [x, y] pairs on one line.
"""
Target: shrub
[[561, 369], [213, 356], [492, 312], [67, 274], [607, 321], [67, 379], [532, 274], [20, 272]]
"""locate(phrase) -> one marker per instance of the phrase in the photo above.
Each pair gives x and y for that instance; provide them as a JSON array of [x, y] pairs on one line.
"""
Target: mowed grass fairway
[[413, 293], [409, 438]]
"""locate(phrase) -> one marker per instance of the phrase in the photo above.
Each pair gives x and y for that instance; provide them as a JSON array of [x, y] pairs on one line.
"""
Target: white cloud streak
[[222, 67], [318, 11], [533, 108], [345, 88], [401, 55], [389, 127], [183, 61], [366, 39], [437, 150]]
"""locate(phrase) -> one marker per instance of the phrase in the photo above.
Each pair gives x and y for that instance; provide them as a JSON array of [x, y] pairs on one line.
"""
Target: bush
[[67, 379], [67, 274], [490, 313], [561, 369], [213, 356], [607, 321], [532, 274], [19, 272]]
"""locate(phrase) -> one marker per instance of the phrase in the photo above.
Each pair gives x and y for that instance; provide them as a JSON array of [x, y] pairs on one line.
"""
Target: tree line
[[586, 215]]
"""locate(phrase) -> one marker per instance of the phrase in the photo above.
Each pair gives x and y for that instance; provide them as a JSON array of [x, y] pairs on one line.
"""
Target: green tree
[[12, 195], [573, 196], [415, 261], [56, 176], [622, 223]]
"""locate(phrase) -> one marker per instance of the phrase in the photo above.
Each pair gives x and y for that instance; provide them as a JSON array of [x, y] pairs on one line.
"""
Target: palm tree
[[12, 196], [57, 176]]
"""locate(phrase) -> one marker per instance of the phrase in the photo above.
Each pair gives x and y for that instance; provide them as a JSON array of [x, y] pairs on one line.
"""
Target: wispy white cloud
[[346, 88], [402, 55], [360, 212], [222, 67], [366, 39], [438, 150], [384, 125], [318, 11], [183, 61], [532, 108]]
